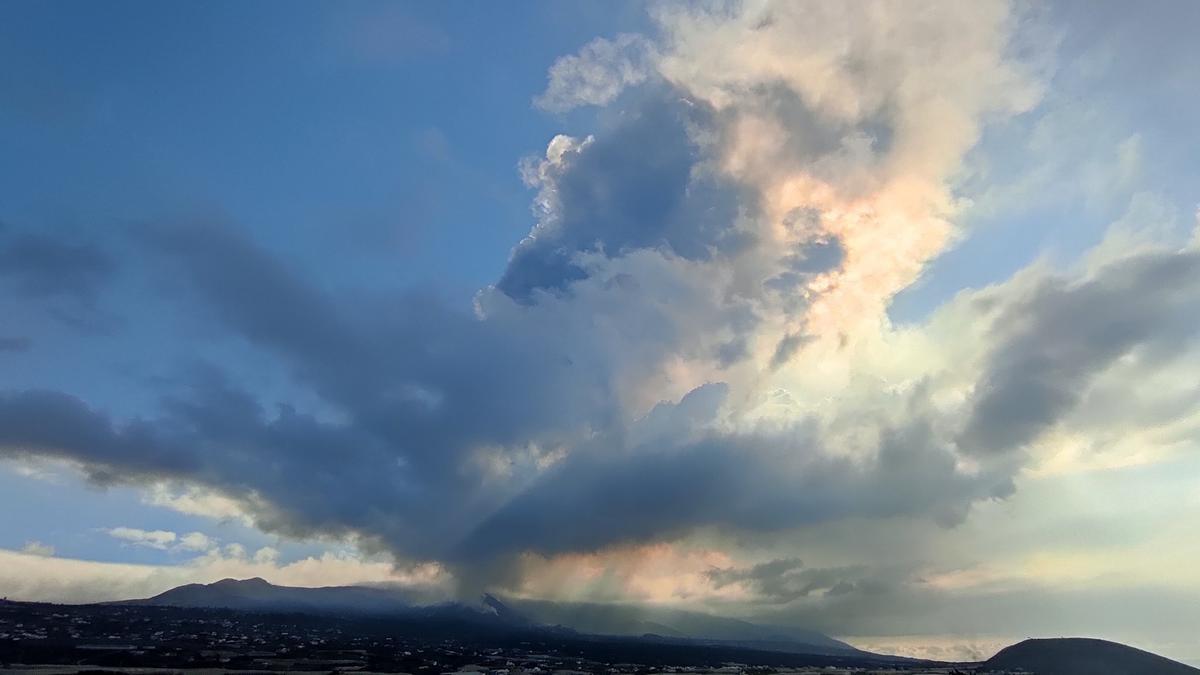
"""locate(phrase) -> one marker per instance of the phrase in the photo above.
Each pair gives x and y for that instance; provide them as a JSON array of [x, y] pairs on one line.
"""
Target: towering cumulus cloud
[[692, 339]]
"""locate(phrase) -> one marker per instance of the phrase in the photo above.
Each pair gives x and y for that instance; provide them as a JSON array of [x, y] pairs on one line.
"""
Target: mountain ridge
[[667, 623], [1084, 656], [661, 625], [648, 625]]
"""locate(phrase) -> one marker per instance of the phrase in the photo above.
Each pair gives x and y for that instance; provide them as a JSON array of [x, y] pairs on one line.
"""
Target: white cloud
[[39, 468], [598, 73], [27, 576], [936, 647], [197, 501], [196, 541], [157, 539], [267, 555], [845, 124], [165, 540], [37, 548]]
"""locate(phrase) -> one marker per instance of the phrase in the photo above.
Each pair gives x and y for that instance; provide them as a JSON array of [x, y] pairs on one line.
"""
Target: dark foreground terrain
[[54, 639], [1084, 656], [91, 637]]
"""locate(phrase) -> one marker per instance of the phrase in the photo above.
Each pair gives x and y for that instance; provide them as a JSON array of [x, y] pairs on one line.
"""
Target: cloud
[[726, 225], [938, 647], [195, 501], [165, 540], [15, 344], [159, 539], [640, 185], [266, 555], [57, 274], [691, 343], [29, 576], [769, 481], [1058, 335], [388, 36], [37, 548], [783, 581], [598, 73], [42, 265], [195, 541]]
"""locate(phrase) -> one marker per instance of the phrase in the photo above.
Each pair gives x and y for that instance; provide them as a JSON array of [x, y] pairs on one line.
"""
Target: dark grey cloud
[[781, 581], [1052, 337], [54, 424], [414, 390], [219, 437], [15, 344], [819, 253], [899, 601], [433, 423], [636, 186], [407, 367], [786, 349], [1057, 336], [59, 274], [419, 388], [769, 570], [42, 265], [415, 386], [821, 256], [739, 482]]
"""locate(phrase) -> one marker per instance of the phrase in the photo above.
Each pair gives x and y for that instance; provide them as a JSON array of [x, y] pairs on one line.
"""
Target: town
[[59, 639]]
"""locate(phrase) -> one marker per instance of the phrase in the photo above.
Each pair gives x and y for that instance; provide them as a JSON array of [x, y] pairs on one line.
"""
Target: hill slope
[[663, 626], [1084, 656], [632, 620], [260, 595]]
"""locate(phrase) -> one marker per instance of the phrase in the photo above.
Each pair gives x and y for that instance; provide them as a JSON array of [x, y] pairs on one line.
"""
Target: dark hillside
[[1084, 656]]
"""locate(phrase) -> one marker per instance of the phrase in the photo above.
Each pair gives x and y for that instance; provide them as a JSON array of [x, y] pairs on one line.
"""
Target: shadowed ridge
[[1083, 656], [668, 624], [664, 627], [492, 604], [260, 595]]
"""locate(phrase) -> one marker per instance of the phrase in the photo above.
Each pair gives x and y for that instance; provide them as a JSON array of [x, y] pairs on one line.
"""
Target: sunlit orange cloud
[[656, 573], [43, 578], [875, 149], [887, 238]]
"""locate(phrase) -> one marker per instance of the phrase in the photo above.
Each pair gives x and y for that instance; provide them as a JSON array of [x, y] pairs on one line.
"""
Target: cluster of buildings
[[72, 639]]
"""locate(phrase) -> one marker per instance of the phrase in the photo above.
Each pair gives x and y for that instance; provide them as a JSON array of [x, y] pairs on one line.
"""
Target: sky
[[872, 318]]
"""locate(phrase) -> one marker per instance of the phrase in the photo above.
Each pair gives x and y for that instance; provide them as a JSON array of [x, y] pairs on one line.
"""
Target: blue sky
[[348, 137], [315, 119], [480, 296], [294, 124]]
